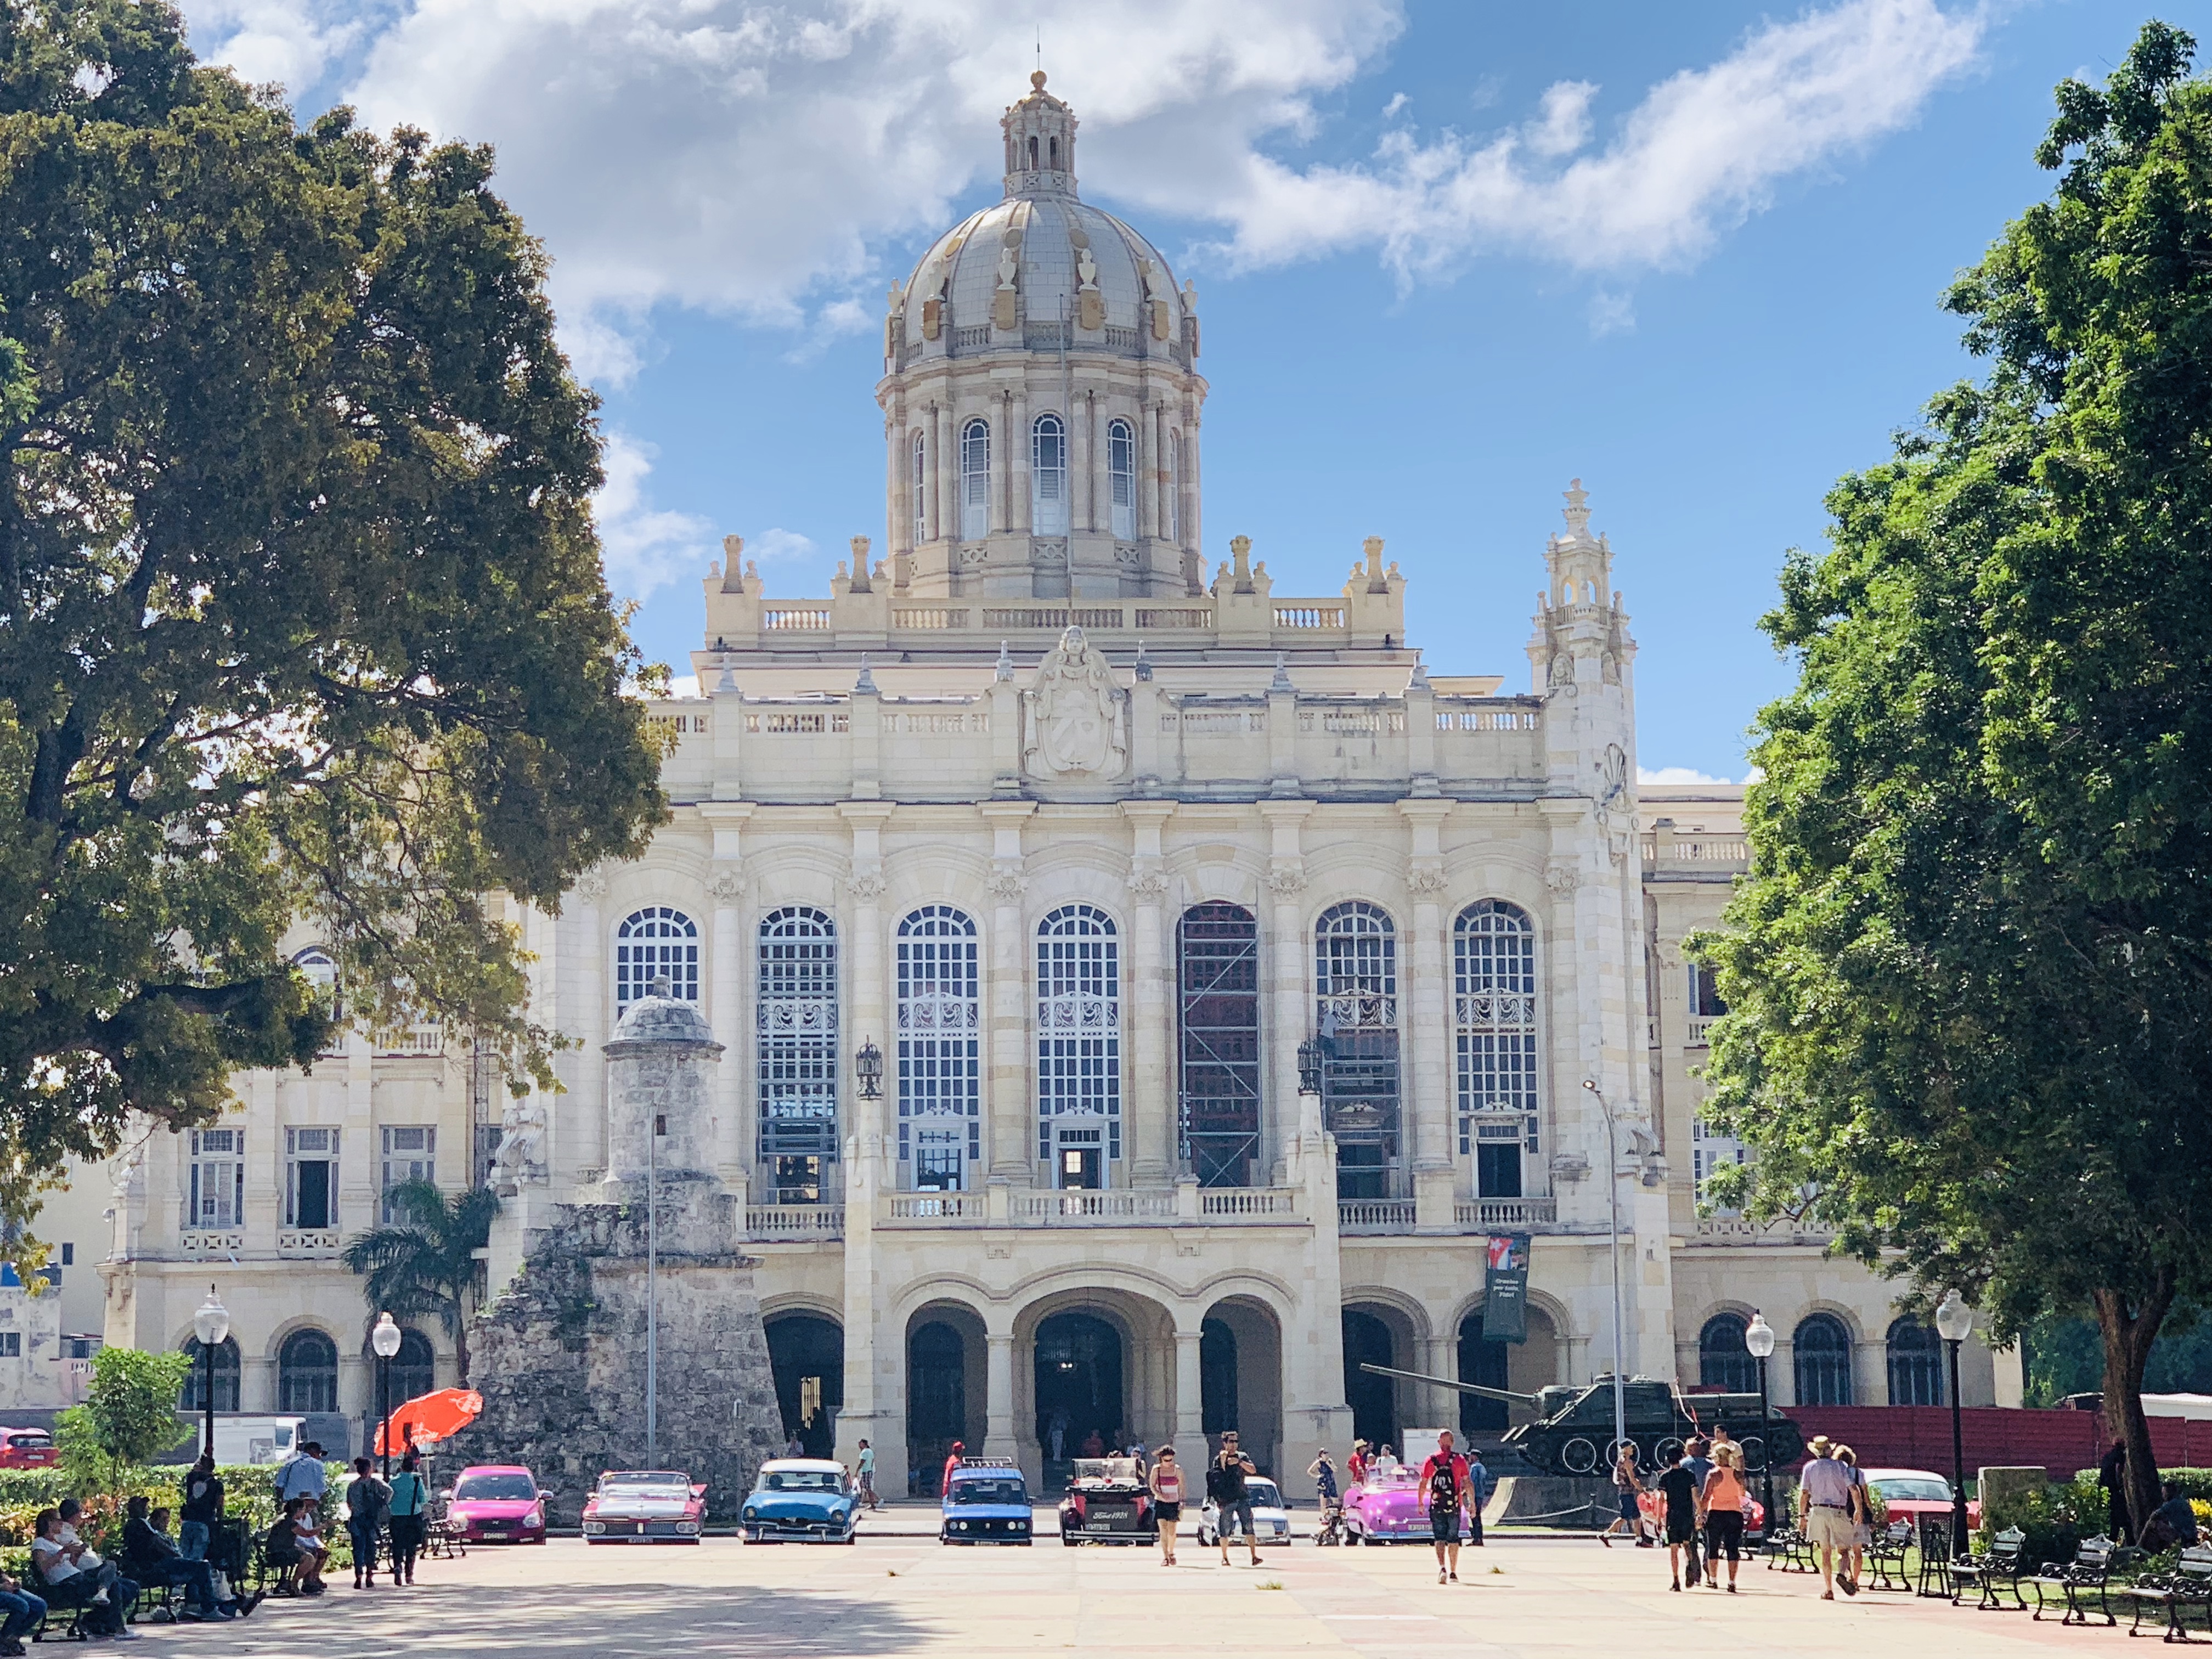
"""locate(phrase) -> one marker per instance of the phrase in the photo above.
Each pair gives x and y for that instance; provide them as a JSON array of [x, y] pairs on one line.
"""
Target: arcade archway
[[1080, 1394], [806, 1353]]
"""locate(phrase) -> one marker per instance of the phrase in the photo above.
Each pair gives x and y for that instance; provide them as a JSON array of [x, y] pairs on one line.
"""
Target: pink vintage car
[[497, 1503], [1386, 1508]]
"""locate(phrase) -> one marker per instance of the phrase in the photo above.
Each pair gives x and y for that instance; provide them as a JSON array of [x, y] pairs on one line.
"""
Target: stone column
[[727, 986], [1428, 1105], [1018, 463], [264, 1147], [866, 990], [1152, 1129], [947, 525], [360, 1156], [1189, 1397], [1314, 1414], [1148, 462], [1010, 1111], [587, 1113], [999, 1394], [1290, 1015]]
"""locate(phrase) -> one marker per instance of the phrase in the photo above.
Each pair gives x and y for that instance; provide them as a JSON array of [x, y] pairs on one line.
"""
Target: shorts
[[1444, 1526], [1826, 1528], [1724, 1534], [1168, 1513], [1241, 1513], [1628, 1511], [1681, 1528]]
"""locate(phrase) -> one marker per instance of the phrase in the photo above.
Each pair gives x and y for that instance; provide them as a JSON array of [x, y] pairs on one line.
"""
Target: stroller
[[1330, 1533]]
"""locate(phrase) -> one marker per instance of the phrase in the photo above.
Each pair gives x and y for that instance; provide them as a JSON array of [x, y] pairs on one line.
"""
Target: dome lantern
[[1040, 143]]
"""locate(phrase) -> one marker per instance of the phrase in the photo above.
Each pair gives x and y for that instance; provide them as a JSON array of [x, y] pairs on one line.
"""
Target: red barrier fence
[[2062, 1441]]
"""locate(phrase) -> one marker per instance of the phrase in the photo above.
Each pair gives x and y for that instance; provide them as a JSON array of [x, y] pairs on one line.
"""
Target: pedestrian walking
[[951, 1462], [302, 1475], [1724, 1498], [1684, 1513], [1726, 1448], [1699, 1465], [1627, 1487], [1232, 1499], [1479, 1485], [2113, 1475], [410, 1518], [368, 1504], [867, 1462], [1862, 1516], [1445, 1484], [1166, 1483], [202, 1509], [794, 1447], [1824, 1514]]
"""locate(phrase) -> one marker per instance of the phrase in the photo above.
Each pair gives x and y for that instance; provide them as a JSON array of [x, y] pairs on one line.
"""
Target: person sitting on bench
[[293, 1542], [106, 1596], [2171, 1522], [154, 1558]]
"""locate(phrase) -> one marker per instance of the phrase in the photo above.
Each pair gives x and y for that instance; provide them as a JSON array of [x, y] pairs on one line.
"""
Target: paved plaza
[[1527, 1597]]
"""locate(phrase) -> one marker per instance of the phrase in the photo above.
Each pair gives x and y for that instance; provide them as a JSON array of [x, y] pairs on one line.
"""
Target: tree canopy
[[423, 1261], [1969, 972], [301, 615]]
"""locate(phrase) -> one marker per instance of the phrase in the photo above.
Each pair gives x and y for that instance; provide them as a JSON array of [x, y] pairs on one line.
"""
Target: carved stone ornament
[[727, 885], [1425, 880], [1287, 879], [1077, 720], [1148, 882], [1008, 884], [1563, 879], [591, 887], [867, 886]]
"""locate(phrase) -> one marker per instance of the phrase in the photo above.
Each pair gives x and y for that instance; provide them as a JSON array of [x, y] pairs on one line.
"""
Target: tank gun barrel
[[1484, 1389]]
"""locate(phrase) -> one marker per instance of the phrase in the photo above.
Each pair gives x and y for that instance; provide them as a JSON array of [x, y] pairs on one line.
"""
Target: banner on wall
[[1505, 1290]]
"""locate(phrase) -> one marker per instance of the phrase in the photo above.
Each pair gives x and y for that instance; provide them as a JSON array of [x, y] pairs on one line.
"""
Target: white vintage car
[[1271, 1522], [645, 1506]]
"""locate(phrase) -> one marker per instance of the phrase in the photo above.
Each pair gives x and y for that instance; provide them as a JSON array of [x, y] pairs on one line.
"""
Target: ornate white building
[[1087, 851]]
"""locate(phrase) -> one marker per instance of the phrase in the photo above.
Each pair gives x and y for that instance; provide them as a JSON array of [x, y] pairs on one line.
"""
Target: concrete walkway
[[1525, 1598]]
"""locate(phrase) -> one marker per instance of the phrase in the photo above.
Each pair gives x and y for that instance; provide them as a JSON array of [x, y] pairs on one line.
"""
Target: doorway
[[806, 1355], [1078, 1390], [1081, 1160], [1484, 1362], [936, 1402], [1373, 1400]]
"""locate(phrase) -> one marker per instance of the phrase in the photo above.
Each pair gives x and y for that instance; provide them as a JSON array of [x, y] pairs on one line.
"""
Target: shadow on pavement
[[641, 1618]]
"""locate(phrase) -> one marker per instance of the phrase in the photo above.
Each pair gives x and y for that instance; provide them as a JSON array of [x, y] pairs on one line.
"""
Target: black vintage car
[[1107, 1503]]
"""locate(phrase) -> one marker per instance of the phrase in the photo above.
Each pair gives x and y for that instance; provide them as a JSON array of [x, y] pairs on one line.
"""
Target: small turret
[[1040, 143]]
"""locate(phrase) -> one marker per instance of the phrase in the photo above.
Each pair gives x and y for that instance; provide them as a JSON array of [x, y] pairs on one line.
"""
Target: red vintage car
[[1908, 1494], [27, 1448], [645, 1506]]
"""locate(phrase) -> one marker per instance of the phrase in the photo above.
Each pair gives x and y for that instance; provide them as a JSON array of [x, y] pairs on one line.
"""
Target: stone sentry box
[[559, 1354]]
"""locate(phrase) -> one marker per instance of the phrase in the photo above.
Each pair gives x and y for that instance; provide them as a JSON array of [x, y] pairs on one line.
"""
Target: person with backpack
[[201, 1510], [410, 1518], [1232, 1499], [1446, 1484], [368, 1503]]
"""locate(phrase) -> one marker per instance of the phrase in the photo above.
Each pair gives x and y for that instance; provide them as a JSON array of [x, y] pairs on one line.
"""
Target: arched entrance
[[806, 1353], [1079, 1392], [1489, 1363], [1373, 1400], [944, 1369]]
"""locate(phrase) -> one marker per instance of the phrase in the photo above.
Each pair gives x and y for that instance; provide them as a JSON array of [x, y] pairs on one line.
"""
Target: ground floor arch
[[1377, 1334], [806, 1355], [1094, 1368], [945, 1379], [1241, 1378]]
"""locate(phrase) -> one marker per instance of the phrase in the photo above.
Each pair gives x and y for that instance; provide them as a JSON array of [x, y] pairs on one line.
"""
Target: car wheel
[[1065, 1540]]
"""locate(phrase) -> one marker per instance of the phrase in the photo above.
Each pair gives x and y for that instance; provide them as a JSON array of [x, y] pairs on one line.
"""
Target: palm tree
[[425, 1262]]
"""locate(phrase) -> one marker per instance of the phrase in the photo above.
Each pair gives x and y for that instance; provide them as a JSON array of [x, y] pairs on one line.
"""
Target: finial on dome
[[1577, 511], [1036, 80]]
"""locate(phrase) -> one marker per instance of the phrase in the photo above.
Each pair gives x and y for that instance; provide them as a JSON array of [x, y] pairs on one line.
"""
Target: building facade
[[1143, 994]]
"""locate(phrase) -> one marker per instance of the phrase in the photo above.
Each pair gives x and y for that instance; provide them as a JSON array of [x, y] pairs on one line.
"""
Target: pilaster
[[1152, 1127], [1008, 1108]]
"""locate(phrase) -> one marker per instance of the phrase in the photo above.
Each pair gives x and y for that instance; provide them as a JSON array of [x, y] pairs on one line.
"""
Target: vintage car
[[497, 1503], [1386, 1508], [1106, 1503], [985, 1502], [645, 1506], [805, 1500], [1271, 1522], [1908, 1494], [27, 1448]]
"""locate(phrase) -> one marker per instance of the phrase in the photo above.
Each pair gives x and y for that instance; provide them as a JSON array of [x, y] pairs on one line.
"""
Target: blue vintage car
[[985, 1503], [805, 1500]]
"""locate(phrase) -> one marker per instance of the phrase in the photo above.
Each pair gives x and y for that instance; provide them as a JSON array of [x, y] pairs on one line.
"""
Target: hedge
[[249, 1494]]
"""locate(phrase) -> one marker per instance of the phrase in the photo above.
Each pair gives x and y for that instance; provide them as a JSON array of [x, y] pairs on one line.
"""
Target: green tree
[[129, 1417], [424, 1262], [1970, 971], [301, 615]]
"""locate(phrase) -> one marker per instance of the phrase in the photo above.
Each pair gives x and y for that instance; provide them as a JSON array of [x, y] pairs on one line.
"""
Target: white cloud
[[1611, 313], [645, 548], [1667, 775], [749, 157], [775, 545]]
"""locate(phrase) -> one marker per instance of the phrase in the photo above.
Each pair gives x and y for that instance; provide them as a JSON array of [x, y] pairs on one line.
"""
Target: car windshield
[[1262, 1493], [655, 1485], [1122, 1471], [1002, 1491], [494, 1488], [802, 1480], [1912, 1489]]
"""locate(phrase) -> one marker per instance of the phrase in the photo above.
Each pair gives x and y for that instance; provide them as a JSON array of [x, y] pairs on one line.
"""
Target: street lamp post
[[211, 1324], [1612, 1250], [1758, 1339], [385, 1340], [1954, 1322]]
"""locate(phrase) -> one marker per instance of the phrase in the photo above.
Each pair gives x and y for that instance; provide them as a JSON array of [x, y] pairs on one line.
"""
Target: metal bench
[[1885, 1556], [1789, 1549], [2090, 1572], [1998, 1571], [2189, 1585]]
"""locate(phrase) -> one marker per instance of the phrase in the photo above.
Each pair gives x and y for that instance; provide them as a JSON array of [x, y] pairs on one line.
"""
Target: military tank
[[1573, 1430]]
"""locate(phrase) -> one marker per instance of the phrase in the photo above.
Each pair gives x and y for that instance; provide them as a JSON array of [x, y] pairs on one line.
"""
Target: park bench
[[1885, 1556], [445, 1536], [2189, 1585], [1789, 1549], [2090, 1572], [1997, 1571]]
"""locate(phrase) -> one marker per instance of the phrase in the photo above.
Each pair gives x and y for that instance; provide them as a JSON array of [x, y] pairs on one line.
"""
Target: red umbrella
[[428, 1419]]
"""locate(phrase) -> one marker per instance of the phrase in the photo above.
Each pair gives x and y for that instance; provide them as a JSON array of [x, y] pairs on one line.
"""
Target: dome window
[[1048, 477], [918, 486], [1121, 473], [976, 481], [1032, 154], [1055, 155]]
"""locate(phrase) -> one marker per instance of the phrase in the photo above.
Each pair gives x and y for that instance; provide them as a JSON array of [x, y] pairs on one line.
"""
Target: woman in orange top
[[1724, 1498]]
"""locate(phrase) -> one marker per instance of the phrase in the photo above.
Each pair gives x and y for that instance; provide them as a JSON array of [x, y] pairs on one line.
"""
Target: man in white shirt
[[303, 1476], [1824, 1513]]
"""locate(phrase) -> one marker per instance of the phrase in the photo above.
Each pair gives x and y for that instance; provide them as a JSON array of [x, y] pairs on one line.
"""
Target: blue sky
[[1706, 313]]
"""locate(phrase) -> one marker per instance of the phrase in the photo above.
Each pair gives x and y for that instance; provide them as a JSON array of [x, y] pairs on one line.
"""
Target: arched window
[[193, 1397], [1056, 155], [940, 1021], [1079, 990], [1723, 1361], [1122, 476], [1033, 153], [1822, 1351], [1916, 1365], [414, 1368], [1494, 1011], [798, 1049], [1049, 475], [1175, 488], [918, 485], [976, 481], [317, 968], [651, 942], [307, 1373], [1218, 977], [1356, 1017]]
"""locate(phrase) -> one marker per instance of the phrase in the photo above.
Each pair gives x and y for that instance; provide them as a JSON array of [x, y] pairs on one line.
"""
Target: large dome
[[1044, 256]]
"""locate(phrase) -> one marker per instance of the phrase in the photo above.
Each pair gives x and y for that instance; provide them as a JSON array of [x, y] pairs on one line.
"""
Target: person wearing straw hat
[[1825, 1514]]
